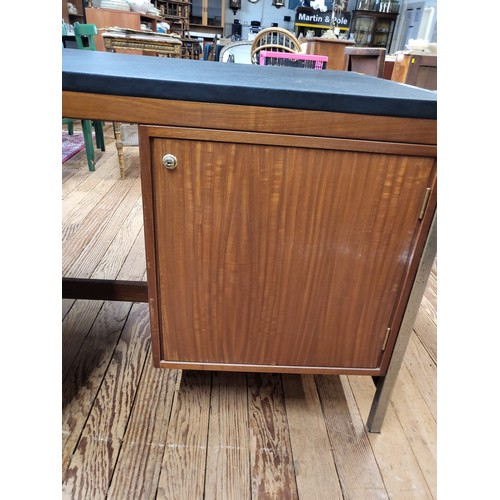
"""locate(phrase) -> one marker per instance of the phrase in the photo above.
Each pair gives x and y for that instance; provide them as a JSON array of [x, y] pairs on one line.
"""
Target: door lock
[[170, 162]]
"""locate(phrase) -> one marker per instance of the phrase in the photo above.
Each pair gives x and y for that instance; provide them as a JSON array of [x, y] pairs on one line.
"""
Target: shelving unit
[[373, 23], [207, 16], [176, 14], [74, 18]]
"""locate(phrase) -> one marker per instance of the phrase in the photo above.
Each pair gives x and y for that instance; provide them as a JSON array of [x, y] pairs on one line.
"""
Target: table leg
[[119, 148], [385, 384], [89, 145]]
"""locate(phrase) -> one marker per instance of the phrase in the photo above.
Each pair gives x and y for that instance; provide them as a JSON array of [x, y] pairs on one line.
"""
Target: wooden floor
[[130, 431]]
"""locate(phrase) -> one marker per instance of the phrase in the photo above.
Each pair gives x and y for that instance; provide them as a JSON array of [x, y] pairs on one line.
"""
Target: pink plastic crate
[[295, 60]]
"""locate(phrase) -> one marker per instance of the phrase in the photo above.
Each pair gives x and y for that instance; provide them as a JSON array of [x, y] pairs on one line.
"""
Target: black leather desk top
[[243, 84]]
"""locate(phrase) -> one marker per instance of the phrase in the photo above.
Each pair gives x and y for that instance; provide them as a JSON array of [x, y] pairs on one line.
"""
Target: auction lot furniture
[[289, 215], [155, 43], [330, 47], [366, 60], [415, 69], [106, 18]]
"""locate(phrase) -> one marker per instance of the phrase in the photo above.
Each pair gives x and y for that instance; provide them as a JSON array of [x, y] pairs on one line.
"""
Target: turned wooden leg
[[119, 148]]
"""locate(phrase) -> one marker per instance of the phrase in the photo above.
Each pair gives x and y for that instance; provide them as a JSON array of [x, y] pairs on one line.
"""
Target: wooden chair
[[87, 137], [273, 39], [366, 60], [84, 35]]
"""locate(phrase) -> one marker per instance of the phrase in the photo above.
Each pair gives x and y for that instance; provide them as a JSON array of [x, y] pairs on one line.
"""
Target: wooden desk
[[287, 229], [331, 47], [155, 44]]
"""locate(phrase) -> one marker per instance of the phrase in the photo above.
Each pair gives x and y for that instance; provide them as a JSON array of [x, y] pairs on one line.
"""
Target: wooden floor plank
[[418, 424], [397, 463], [228, 457], [83, 381], [134, 266], [425, 328], [111, 262], [91, 467], [88, 196], [357, 467], [67, 304], [75, 170], [76, 326], [272, 472], [424, 373], [100, 232], [314, 467], [82, 191], [137, 470], [426, 321], [182, 474]]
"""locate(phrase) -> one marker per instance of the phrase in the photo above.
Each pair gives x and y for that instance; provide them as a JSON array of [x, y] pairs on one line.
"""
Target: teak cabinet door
[[269, 251]]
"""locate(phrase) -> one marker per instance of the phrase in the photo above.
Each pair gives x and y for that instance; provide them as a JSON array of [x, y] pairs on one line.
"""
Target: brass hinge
[[386, 338], [425, 202]]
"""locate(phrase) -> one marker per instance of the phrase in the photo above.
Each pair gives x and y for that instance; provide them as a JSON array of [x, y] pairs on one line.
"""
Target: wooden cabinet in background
[[373, 29], [207, 16], [417, 70], [332, 48], [109, 18]]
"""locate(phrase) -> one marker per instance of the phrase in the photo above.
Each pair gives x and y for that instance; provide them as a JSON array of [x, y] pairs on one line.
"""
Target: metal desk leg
[[385, 384]]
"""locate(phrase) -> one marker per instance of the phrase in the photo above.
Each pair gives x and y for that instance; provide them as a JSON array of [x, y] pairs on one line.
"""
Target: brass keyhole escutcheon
[[170, 161]]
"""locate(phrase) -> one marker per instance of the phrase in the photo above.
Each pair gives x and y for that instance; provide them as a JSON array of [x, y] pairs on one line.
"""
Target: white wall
[[262, 11]]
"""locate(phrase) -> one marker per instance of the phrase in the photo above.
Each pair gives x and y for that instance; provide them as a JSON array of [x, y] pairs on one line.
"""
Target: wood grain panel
[[270, 254], [128, 109]]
